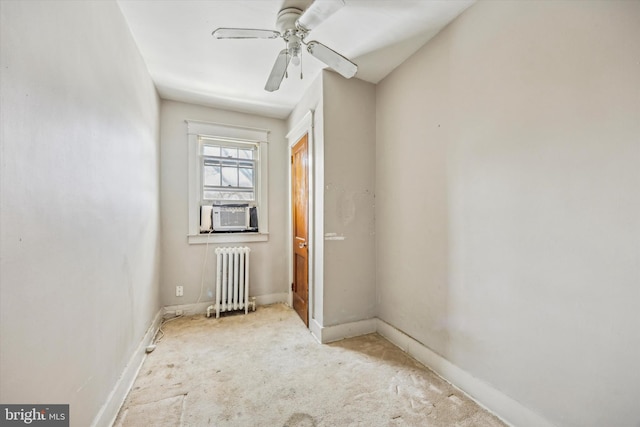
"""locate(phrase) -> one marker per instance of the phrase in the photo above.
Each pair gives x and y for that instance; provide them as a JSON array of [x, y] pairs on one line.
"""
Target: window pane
[[229, 152], [246, 177], [211, 175], [210, 150], [229, 177], [245, 154], [229, 195], [245, 196]]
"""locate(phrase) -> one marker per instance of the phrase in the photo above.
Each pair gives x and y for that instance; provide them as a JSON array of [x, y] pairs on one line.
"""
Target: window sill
[[200, 239]]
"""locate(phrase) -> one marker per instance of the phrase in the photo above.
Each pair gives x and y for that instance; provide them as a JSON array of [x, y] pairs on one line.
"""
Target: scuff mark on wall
[[333, 236], [84, 384], [348, 202]]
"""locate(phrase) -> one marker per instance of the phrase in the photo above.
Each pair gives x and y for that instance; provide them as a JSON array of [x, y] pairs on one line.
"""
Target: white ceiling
[[188, 64]]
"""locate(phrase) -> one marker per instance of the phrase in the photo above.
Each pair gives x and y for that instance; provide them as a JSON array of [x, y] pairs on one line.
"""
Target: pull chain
[[286, 70]]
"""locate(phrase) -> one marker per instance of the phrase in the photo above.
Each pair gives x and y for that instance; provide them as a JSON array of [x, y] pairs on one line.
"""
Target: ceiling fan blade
[[318, 12], [278, 71], [244, 33], [333, 59]]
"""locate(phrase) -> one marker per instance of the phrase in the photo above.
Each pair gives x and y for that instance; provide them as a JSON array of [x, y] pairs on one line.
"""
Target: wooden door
[[300, 217]]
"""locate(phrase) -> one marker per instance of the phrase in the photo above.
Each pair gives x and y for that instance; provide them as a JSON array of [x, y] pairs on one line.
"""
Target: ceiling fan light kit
[[293, 26]]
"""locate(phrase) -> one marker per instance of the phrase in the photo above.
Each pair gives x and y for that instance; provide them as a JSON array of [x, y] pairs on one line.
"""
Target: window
[[228, 169]]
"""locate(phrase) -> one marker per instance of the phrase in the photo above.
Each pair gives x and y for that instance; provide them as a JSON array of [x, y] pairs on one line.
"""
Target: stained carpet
[[265, 369]]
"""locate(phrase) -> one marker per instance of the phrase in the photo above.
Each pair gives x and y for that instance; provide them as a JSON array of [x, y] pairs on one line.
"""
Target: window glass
[[210, 150], [229, 177], [228, 171], [245, 154], [245, 178], [230, 152], [242, 196], [211, 175]]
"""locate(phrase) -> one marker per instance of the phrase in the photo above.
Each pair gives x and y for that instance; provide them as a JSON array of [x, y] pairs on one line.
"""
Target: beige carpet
[[265, 369]]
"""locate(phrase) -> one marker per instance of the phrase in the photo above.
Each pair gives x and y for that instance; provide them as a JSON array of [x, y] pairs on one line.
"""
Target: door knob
[[302, 245]]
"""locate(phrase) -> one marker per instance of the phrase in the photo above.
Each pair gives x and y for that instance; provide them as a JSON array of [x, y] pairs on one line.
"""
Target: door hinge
[[292, 286]]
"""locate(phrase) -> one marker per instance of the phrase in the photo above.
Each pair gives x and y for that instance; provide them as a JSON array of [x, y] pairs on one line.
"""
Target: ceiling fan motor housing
[[286, 24], [286, 21]]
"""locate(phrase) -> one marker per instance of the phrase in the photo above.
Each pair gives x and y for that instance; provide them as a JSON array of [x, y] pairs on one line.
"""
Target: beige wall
[[508, 203], [349, 160], [79, 210], [343, 153], [184, 264]]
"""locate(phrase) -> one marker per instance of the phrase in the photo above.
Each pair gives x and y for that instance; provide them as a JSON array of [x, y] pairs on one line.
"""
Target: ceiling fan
[[293, 26]]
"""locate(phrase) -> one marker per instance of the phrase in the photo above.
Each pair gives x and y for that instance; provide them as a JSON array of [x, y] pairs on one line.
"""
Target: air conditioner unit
[[231, 218]]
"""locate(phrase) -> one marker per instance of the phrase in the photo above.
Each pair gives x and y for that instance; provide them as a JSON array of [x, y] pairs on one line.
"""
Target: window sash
[[234, 178]]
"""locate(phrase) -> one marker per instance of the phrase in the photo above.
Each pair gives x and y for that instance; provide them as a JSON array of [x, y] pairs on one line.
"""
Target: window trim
[[197, 129]]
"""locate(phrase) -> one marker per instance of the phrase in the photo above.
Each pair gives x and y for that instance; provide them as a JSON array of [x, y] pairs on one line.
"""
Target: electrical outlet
[[179, 291], [179, 312]]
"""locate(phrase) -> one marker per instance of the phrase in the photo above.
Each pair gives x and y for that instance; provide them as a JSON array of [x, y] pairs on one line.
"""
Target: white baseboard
[[504, 407], [201, 307], [109, 411], [316, 330], [188, 309], [327, 334]]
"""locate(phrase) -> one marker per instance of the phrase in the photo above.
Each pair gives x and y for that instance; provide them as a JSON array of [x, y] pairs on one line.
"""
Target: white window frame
[[197, 129], [204, 142]]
